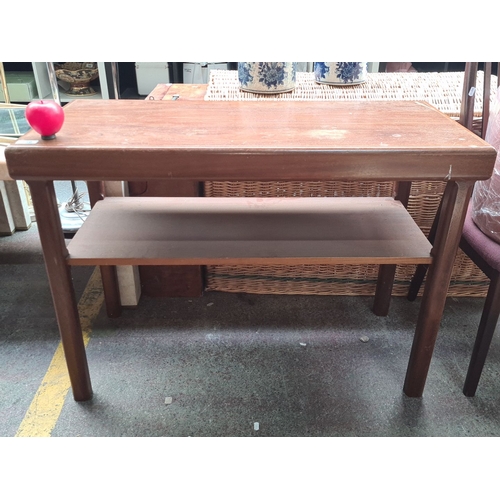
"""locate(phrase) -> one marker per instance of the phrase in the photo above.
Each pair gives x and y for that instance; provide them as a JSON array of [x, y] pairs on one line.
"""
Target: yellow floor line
[[44, 411]]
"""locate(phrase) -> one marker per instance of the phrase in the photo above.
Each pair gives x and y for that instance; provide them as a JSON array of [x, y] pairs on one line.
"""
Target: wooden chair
[[481, 249], [485, 253]]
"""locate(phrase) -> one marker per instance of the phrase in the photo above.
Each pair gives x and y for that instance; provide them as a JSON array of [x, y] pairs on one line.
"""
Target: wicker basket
[[444, 91]]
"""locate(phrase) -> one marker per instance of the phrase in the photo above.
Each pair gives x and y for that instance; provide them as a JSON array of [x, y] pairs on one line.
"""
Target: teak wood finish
[[136, 140], [200, 141]]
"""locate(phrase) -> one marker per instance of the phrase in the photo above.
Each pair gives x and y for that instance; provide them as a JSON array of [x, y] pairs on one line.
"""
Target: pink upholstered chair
[[485, 253]]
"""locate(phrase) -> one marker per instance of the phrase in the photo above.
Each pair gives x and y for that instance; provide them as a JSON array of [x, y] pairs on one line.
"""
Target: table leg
[[449, 230], [387, 272], [108, 273], [383, 292], [61, 286], [111, 290]]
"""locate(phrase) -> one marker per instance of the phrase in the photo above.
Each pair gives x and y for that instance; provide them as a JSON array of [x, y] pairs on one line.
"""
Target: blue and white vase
[[267, 77], [340, 73]]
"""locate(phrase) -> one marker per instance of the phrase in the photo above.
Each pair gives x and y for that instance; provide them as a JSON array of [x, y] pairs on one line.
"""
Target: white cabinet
[[42, 80]]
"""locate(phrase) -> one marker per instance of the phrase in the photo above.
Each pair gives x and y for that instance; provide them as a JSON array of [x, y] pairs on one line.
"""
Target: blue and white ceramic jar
[[267, 77], [340, 73]]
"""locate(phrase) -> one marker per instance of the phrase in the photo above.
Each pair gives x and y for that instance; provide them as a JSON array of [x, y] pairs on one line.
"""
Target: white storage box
[[149, 75], [198, 72]]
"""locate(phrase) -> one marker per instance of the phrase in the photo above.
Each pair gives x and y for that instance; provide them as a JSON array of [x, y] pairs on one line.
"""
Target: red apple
[[45, 117]]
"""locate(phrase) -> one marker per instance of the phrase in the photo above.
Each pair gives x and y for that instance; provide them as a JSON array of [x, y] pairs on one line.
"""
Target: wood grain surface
[[247, 230], [201, 140]]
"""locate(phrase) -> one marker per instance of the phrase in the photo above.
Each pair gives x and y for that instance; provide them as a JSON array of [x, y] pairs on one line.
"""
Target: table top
[[253, 140]]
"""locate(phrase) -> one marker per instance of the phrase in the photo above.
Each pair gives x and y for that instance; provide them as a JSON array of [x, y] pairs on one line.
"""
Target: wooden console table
[[199, 141]]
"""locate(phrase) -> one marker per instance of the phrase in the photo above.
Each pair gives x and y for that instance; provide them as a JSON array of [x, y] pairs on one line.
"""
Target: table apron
[[150, 164]]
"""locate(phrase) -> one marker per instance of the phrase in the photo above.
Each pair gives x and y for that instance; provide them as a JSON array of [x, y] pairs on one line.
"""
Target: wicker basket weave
[[444, 91]]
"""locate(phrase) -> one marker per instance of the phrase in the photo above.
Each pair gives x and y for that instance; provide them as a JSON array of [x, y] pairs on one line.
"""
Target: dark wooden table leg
[[421, 269], [108, 273], [387, 272], [383, 292], [454, 207], [111, 291], [96, 191], [61, 286]]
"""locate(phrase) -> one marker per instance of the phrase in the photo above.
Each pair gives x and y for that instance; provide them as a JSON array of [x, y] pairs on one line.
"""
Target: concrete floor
[[294, 364]]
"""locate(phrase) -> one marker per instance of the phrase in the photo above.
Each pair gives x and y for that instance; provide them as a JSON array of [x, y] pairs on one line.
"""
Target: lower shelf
[[232, 231]]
